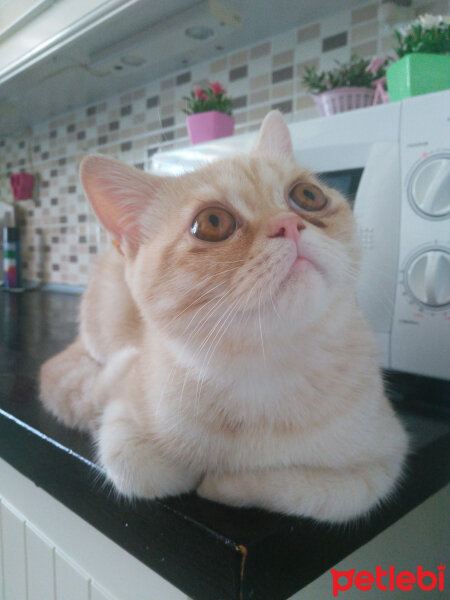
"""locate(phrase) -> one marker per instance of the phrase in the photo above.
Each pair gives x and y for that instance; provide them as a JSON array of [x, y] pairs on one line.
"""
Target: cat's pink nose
[[288, 226]]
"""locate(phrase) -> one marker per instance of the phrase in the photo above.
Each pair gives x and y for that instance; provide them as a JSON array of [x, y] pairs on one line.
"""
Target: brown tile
[[284, 107], [366, 50], [218, 65], [304, 102], [260, 81], [365, 13], [239, 58], [152, 102], [260, 50], [259, 96], [283, 58], [308, 33], [126, 110], [334, 41], [183, 78], [364, 32], [239, 102], [282, 74], [238, 73]]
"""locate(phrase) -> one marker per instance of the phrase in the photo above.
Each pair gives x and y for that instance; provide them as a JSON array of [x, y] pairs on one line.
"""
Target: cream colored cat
[[221, 347]]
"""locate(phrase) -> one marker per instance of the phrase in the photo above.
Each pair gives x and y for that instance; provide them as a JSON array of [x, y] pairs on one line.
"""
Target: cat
[[221, 347]]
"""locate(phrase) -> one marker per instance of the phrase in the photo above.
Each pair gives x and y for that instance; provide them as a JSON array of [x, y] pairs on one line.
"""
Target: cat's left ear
[[123, 199], [274, 138]]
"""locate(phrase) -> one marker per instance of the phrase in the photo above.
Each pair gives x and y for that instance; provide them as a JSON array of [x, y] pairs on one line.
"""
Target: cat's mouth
[[300, 266]]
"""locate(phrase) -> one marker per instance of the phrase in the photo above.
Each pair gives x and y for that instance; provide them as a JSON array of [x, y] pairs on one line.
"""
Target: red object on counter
[[22, 185]]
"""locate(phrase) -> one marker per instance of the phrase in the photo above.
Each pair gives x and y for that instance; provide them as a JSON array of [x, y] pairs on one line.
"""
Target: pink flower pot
[[343, 99], [210, 125], [22, 185]]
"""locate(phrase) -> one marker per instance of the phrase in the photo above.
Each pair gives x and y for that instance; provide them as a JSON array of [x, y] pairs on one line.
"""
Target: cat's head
[[238, 244]]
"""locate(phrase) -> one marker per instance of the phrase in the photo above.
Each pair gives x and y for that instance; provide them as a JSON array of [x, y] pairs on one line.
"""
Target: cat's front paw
[[132, 462]]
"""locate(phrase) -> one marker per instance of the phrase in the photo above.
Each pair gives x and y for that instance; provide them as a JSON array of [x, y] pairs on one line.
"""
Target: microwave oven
[[392, 161]]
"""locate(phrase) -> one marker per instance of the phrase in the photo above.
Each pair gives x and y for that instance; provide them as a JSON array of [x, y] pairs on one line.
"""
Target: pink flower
[[217, 88], [375, 64], [199, 94]]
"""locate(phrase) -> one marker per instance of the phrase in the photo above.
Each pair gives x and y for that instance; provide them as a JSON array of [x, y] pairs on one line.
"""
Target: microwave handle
[[377, 213]]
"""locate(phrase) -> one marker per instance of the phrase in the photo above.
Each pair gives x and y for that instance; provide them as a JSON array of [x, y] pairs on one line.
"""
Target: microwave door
[[377, 213]]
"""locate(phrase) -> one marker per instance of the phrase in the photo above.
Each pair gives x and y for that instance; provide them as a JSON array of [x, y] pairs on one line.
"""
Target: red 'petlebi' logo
[[388, 580]]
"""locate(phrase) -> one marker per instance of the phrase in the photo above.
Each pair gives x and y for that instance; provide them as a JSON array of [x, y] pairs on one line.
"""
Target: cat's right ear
[[121, 197], [274, 138]]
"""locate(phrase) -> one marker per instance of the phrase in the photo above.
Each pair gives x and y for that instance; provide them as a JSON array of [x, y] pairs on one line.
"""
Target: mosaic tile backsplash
[[60, 236]]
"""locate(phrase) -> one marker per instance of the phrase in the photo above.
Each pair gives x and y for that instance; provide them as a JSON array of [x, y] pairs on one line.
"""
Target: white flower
[[432, 21]]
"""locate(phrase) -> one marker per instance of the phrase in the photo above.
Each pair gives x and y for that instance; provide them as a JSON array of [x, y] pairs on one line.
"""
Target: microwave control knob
[[429, 186], [428, 278]]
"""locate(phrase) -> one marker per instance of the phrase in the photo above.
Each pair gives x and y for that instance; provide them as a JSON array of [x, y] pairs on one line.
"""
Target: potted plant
[[424, 61], [209, 113], [346, 87]]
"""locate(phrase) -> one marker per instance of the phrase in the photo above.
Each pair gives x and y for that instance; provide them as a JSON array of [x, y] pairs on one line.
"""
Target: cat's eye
[[307, 196], [213, 225]]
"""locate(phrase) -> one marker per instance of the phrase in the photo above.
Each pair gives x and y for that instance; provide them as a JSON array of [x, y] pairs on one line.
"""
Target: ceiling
[[73, 74]]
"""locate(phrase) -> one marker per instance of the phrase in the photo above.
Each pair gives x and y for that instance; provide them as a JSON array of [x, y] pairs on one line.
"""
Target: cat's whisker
[[200, 325], [197, 300], [214, 344], [260, 327]]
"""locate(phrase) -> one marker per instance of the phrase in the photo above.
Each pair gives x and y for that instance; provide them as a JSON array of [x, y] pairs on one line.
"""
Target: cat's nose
[[288, 226]]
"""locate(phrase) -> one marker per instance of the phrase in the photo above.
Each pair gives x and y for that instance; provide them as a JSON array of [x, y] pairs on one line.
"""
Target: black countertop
[[210, 551]]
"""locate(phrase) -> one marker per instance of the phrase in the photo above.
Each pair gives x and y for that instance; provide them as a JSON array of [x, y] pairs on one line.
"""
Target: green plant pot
[[416, 74]]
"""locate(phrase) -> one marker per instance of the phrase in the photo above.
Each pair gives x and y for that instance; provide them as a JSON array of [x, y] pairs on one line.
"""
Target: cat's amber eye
[[213, 225], [307, 196]]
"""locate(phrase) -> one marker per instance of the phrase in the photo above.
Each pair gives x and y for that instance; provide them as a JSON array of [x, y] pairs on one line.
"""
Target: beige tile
[[168, 83], [260, 50], [366, 50], [283, 58], [260, 96], [240, 117], [167, 110], [282, 90], [137, 94], [139, 118], [239, 58], [260, 81], [167, 98], [126, 98], [181, 132], [304, 102], [364, 13], [218, 65], [308, 33], [257, 114], [364, 32], [300, 67]]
